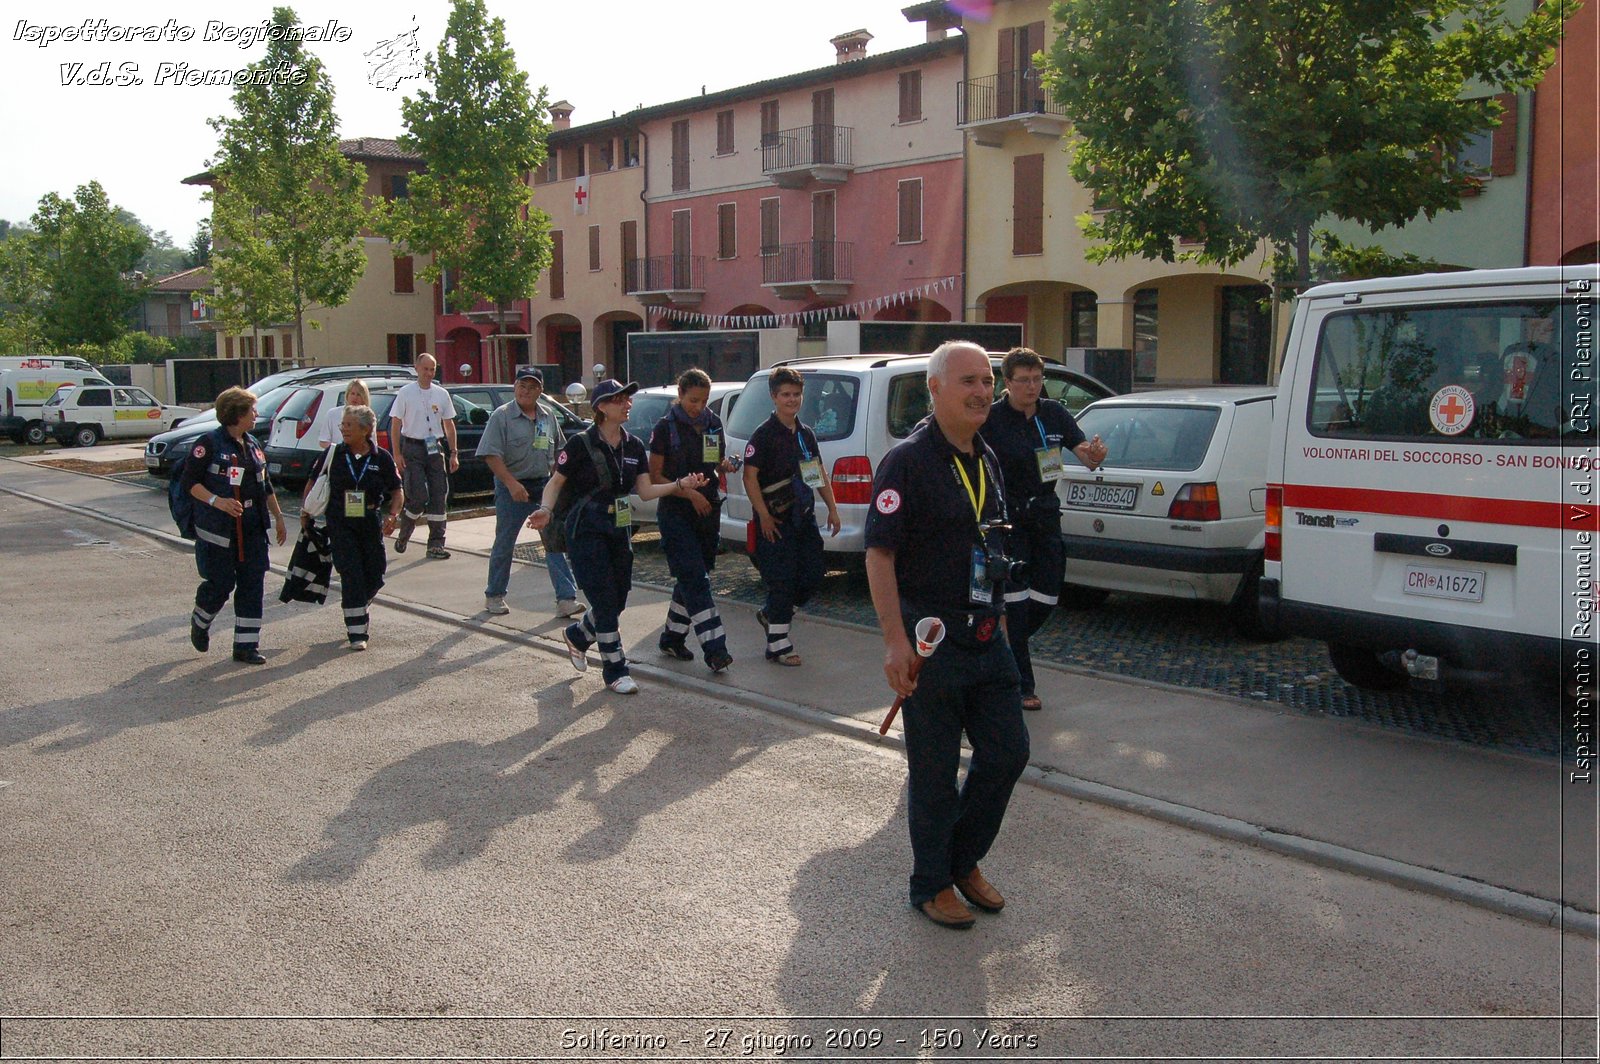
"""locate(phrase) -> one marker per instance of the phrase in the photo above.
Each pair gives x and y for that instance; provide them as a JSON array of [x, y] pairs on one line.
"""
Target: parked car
[[85, 415], [25, 388], [493, 396], [310, 374], [162, 449], [1178, 508], [860, 406], [650, 405], [294, 439]]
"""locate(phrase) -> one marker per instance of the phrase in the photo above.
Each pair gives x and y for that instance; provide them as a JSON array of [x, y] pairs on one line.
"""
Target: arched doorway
[[611, 337], [560, 339]]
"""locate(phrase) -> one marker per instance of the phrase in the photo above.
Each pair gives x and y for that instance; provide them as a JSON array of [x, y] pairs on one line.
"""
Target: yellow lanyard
[[976, 498]]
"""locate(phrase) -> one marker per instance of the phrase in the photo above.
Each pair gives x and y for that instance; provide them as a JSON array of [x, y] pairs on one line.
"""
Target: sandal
[[791, 659], [1031, 702]]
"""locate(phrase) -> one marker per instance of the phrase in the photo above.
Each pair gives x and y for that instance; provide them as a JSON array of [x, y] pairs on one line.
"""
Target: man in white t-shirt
[[422, 427]]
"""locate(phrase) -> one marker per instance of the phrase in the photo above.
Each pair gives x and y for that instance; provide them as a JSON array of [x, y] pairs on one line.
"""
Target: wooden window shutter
[[1027, 199], [227, 346], [726, 248], [419, 344], [724, 132], [911, 96], [558, 283], [1005, 83], [910, 211], [1504, 151], [403, 281], [769, 226], [680, 156], [288, 346], [769, 123], [630, 256], [594, 247], [386, 186]]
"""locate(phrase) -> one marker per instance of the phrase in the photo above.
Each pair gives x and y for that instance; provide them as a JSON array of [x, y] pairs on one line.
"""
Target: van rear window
[[1440, 374], [828, 406]]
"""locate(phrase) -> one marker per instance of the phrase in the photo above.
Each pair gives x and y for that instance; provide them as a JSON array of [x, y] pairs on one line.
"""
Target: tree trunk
[[1302, 257]]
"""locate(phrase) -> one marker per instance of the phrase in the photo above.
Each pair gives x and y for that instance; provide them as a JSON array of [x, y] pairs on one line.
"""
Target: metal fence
[[661, 273], [813, 145], [810, 260], [1016, 92]]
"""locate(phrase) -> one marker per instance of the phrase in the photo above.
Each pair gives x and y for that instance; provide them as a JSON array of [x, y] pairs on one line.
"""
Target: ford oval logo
[[1438, 550]]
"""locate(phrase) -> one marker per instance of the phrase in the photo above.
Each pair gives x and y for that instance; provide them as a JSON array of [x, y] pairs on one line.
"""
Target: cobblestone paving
[[1184, 644]]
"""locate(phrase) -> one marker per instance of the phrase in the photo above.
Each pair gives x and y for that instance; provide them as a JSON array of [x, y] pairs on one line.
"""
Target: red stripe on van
[[1569, 516]]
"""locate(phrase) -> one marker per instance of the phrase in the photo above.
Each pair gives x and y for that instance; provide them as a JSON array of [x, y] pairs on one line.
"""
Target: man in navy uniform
[[931, 554]]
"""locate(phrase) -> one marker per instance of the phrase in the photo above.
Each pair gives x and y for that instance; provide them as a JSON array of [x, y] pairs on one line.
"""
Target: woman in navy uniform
[[783, 474], [361, 479], [227, 475], [931, 553], [690, 439], [1030, 434], [603, 465]]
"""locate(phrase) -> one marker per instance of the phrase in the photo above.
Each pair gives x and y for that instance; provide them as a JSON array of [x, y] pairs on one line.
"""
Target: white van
[[23, 392], [1431, 484]]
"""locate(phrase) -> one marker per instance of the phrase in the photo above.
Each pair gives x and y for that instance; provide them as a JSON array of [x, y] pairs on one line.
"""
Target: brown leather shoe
[[946, 910], [980, 892]]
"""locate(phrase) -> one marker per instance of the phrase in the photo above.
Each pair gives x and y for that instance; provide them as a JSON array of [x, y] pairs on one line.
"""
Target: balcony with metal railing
[[794, 157], [811, 269], [662, 280], [1016, 100]]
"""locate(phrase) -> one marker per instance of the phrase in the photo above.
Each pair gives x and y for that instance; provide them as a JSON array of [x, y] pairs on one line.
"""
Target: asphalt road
[[452, 846]]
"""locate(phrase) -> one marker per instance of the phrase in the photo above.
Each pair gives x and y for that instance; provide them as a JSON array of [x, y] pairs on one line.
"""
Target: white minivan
[[1431, 481]]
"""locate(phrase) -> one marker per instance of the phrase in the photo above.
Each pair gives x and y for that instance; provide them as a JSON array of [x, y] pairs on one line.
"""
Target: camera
[[997, 565]]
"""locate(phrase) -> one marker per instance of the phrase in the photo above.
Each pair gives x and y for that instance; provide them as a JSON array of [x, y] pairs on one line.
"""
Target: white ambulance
[[1431, 487]]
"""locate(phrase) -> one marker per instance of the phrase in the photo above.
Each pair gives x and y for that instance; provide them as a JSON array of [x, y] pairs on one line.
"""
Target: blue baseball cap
[[612, 389], [530, 373]]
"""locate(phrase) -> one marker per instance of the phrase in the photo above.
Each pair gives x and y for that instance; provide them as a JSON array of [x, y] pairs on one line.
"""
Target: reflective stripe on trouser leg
[[202, 619], [778, 640], [613, 664], [677, 626], [581, 631], [355, 623], [708, 629], [246, 631]]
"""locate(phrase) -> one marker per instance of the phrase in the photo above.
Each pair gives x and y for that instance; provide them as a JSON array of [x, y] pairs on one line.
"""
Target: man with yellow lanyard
[[933, 551]]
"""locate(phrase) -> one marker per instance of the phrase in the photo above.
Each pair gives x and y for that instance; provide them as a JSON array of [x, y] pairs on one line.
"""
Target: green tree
[[1233, 122], [200, 246], [82, 258], [287, 207], [482, 133]]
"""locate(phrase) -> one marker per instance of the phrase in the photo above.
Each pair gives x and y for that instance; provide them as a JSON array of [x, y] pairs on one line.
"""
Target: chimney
[[561, 115], [851, 46]]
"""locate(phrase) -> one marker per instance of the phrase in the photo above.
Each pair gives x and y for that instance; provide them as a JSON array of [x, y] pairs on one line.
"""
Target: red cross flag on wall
[[580, 195]]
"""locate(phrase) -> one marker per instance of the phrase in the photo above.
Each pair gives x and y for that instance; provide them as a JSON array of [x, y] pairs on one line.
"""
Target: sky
[[146, 130]]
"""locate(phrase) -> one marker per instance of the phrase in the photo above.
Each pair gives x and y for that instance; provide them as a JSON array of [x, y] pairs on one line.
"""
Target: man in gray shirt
[[519, 446]]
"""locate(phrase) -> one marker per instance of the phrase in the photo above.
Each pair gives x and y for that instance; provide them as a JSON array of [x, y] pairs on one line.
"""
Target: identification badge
[[1050, 466], [811, 472], [711, 448], [355, 504], [981, 592], [432, 444], [624, 511], [236, 475], [541, 442]]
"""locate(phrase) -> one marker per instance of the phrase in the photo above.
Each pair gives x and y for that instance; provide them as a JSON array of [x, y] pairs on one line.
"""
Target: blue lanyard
[[365, 462], [800, 441], [1043, 442]]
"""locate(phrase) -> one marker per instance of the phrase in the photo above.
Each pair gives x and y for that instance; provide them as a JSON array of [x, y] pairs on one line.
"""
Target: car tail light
[[307, 419], [722, 483], [1274, 522], [383, 439], [1196, 502], [852, 480]]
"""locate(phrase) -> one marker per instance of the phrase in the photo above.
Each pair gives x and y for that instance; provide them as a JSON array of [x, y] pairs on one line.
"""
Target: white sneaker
[[624, 685], [580, 660], [359, 644], [495, 604], [569, 608]]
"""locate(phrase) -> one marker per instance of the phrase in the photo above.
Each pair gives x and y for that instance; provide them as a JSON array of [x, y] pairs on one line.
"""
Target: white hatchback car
[[1179, 506], [89, 413], [650, 405], [861, 406]]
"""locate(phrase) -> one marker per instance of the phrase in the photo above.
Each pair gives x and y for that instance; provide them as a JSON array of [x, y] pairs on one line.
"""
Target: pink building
[[835, 192], [1564, 201]]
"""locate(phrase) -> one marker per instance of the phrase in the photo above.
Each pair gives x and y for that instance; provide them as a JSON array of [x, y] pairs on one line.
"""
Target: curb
[[1460, 889]]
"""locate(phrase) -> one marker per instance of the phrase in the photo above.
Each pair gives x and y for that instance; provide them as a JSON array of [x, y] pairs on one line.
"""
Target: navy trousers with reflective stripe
[[222, 574], [359, 559], [690, 543], [602, 559]]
